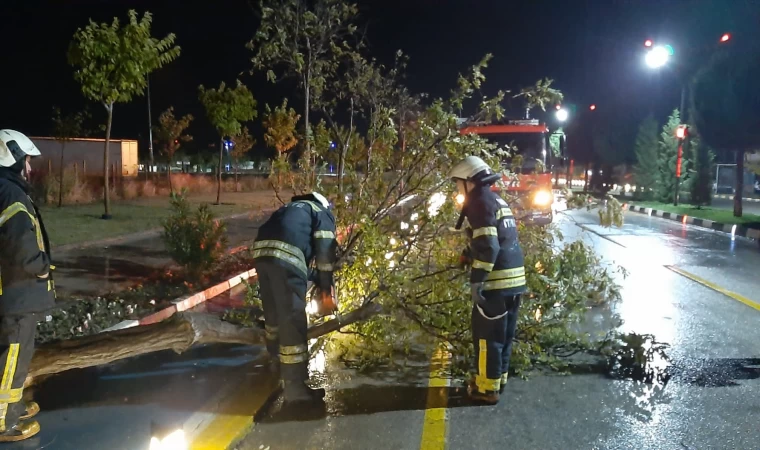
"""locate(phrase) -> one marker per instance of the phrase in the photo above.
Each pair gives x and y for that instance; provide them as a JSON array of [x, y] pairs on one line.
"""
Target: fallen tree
[[178, 333]]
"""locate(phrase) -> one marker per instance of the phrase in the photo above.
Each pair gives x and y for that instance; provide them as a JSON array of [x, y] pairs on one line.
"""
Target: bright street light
[[562, 115], [657, 57]]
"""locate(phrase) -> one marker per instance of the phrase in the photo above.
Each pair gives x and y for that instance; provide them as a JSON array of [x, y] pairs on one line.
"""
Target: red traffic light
[[648, 43], [557, 106], [681, 132], [726, 37], [592, 107]]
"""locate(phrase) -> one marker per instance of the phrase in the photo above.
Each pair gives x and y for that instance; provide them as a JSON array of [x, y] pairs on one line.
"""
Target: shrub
[[194, 240]]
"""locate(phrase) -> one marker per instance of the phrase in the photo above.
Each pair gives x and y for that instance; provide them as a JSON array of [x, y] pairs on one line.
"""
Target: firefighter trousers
[[17, 345], [493, 336], [283, 295]]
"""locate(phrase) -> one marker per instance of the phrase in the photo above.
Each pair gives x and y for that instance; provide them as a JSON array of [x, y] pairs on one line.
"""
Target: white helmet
[[468, 168], [14, 146], [321, 198]]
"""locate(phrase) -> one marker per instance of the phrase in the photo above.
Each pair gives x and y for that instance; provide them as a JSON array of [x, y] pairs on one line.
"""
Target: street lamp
[[657, 57], [562, 114]]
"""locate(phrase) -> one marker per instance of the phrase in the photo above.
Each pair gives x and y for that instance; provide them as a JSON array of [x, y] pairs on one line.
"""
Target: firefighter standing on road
[[497, 278], [26, 285], [286, 245]]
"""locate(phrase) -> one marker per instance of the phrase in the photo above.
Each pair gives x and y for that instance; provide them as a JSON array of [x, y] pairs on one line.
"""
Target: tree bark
[[739, 183], [178, 333], [106, 183], [60, 185], [219, 180]]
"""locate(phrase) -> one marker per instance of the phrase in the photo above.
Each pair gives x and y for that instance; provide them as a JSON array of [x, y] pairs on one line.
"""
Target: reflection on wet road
[[710, 400]]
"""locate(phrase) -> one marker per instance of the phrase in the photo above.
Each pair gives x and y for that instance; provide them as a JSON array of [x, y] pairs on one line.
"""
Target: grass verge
[[724, 216], [81, 223]]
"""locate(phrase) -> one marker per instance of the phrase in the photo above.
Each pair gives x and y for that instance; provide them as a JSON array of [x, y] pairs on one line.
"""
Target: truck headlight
[[542, 198]]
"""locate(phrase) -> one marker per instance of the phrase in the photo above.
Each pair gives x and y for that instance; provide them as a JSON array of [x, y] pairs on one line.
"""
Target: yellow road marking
[[436, 415], [234, 416], [715, 287]]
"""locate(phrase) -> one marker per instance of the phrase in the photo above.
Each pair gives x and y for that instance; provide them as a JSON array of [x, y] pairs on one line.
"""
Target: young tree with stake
[[226, 108], [111, 63], [65, 129], [170, 133]]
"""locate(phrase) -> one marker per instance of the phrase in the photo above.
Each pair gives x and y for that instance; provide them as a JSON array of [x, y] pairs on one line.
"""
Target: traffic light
[[648, 43], [592, 107], [681, 132], [726, 37], [557, 106]]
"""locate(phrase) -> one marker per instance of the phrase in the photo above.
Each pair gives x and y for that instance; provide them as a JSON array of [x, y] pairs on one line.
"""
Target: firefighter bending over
[[295, 235], [26, 285], [497, 278]]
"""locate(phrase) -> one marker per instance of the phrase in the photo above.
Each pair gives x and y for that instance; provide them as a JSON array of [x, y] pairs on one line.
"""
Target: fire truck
[[529, 182]]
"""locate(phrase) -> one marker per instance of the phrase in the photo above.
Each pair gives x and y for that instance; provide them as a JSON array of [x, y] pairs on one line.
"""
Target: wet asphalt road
[[713, 401]]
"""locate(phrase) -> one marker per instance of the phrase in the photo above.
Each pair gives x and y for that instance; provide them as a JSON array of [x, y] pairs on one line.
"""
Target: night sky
[[593, 49]]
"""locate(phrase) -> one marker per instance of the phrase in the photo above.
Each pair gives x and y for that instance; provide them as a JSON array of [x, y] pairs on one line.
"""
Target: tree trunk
[[237, 169], [150, 131], [106, 181], [739, 183], [60, 185], [178, 333], [307, 129], [219, 180], [169, 174]]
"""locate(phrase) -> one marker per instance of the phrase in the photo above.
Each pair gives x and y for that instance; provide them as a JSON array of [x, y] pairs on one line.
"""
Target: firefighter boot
[[21, 431], [299, 392], [487, 397], [32, 409], [503, 383]]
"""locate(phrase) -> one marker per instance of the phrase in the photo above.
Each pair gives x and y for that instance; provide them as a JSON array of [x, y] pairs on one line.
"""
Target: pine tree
[[647, 167], [668, 154], [701, 172]]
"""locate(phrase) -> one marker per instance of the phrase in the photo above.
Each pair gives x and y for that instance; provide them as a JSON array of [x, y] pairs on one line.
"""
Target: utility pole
[[150, 130]]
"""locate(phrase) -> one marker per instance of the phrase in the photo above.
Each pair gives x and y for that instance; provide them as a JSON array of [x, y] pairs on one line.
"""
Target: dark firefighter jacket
[[298, 234], [497, 259], [26, 279]]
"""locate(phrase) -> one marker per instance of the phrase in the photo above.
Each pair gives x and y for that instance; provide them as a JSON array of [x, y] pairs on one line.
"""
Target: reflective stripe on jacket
[[497, 258]]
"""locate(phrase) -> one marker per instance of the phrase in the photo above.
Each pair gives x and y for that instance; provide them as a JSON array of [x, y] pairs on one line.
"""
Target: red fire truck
[[530, 181]]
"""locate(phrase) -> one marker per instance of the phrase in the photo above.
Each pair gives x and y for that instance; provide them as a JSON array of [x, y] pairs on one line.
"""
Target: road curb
[[731, 197], [728, 228]]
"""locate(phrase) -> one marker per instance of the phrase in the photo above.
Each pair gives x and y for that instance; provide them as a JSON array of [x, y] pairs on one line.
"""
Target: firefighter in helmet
[[26, 284], [299, 233], [497, 277]]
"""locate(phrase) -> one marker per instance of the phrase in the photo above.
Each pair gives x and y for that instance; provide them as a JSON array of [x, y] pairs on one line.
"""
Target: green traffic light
[[670, 50]]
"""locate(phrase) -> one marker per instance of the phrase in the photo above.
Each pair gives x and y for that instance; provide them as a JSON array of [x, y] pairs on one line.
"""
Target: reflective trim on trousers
[[325, 267], [481, 379], [5, 385], [293, 354]]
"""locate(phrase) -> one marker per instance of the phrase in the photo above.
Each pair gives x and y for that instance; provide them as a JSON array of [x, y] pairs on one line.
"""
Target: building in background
[[86, 155]]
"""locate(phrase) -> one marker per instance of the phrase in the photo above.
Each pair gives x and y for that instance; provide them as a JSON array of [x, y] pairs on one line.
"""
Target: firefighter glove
[[476, 291]]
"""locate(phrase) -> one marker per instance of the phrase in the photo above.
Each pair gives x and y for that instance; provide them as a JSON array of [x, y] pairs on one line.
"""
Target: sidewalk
[[117, 264]]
